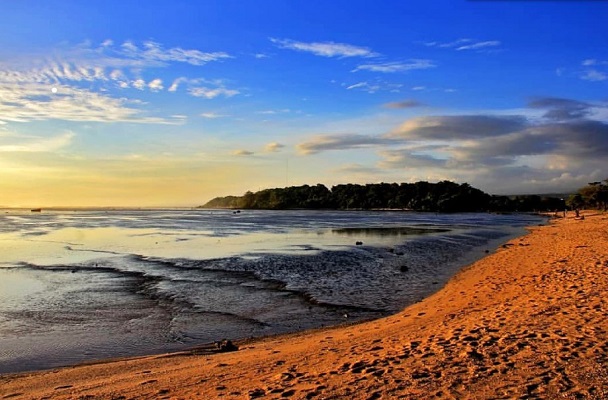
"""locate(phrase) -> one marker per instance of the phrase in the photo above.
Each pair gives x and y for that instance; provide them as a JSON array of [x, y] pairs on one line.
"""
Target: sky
[[172, 103]]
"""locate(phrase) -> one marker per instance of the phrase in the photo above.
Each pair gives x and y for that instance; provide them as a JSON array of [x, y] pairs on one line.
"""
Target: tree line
[[592, 196], [444, 196]]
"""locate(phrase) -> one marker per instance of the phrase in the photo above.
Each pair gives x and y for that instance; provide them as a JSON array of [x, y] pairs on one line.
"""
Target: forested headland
[[442, 196]]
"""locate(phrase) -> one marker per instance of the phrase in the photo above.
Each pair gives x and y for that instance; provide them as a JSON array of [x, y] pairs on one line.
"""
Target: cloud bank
[[560, 150]]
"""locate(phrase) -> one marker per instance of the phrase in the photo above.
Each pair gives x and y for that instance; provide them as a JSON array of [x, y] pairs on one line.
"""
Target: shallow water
[[83, 285]]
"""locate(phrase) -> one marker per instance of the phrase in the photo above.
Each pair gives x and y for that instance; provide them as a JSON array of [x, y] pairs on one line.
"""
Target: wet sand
[[528, 321]]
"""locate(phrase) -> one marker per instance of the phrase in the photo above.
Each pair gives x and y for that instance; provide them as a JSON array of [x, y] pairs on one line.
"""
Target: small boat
[[36, 210]]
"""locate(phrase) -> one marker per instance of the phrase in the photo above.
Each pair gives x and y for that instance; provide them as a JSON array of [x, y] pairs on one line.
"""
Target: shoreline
[[474, 338]]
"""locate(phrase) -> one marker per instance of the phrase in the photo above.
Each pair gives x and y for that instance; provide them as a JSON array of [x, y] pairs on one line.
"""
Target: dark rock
[[225, 346], [255, 393]]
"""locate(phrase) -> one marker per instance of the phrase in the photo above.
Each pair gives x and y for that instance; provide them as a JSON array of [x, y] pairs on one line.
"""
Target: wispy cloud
[[466, 44], [105, 64], [212, 115], [325, 49], [36, 101], [391, 67], [175, 85], [593, 62], [153, 52], [374, 86], [447, 45], [36, 144], [479, 45], [274, 112], [594, 75], [365, 86], [76, 83], [594, 70], [341, 142]]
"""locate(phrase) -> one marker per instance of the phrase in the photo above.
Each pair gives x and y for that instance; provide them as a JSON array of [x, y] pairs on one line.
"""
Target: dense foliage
[[443, 196], [593, 195]]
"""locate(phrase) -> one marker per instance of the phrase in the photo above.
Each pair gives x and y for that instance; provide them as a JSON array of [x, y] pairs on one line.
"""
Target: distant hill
[[444, 196]]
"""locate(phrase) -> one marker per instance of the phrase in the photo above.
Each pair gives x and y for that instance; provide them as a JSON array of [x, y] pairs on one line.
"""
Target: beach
[[527, 321]]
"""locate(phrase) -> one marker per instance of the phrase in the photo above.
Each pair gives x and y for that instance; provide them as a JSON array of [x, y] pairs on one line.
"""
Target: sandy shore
[[528, 321]]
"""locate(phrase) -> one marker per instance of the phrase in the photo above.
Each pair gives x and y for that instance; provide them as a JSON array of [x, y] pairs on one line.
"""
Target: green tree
[[575, 201]]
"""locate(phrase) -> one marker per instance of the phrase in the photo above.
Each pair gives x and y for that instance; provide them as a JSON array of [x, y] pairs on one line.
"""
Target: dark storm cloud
[[585, 138], [559, 109]]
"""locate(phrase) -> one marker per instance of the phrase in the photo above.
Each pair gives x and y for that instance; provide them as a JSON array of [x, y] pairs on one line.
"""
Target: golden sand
[[529, 321]]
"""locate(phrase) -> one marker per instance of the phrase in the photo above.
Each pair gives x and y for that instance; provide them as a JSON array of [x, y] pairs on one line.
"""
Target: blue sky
[[171, 103]]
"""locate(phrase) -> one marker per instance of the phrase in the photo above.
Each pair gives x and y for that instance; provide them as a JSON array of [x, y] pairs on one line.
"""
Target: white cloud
[[325, 49], [593, 62], [75, 83], [156, 85], [139, 84], [176, 83], [375, 86], [274, 112], [211, 93], [154, 52], [391, 67], [465, 44], [273, 147], [199, 87], [104, 64], [594, 75], [35, 102], [479, 45], [117, 75], [212, 115], [458, 42], [365, 86], [358, 85]]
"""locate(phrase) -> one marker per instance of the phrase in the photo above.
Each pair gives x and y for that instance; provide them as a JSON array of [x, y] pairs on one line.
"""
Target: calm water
[[83, 285]]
